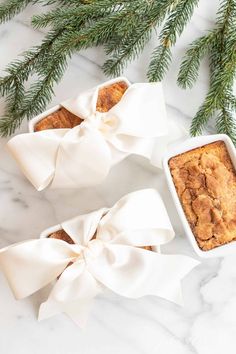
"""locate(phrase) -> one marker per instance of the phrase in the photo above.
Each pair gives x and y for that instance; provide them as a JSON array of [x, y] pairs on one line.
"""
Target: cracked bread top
[[205, 181], [108, 96]]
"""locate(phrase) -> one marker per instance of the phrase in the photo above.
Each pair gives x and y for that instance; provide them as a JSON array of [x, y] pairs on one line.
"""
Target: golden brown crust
[[59, 119], [61, 235], [205, 180], [107, 97], [148, 248]]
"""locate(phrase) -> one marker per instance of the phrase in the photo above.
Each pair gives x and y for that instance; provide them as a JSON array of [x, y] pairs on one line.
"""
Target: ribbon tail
[[128, 144], [73, 295], [134, 272], [151, 148], [78, 310], [31, 265], [36, 155], [172, 289], [83, 158]]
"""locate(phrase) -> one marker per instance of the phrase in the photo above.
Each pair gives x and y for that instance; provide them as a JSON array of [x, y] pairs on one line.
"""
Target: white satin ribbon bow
[[112, 260], [83, 156]]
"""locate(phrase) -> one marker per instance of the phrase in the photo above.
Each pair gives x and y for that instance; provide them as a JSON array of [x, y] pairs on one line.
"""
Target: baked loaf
[[62, 235], [205, 180], [108, 97]]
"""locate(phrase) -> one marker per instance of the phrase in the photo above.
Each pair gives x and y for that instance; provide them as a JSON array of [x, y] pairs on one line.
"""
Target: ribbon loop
[[31, 265]]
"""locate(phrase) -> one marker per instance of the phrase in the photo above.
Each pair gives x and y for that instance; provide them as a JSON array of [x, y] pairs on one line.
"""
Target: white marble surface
[[207, 322]]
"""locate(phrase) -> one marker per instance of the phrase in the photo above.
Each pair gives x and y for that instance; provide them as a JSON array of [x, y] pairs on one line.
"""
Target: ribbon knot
[[103, 122], [84, 155], [92, 250], [83, 269], [108, 125]]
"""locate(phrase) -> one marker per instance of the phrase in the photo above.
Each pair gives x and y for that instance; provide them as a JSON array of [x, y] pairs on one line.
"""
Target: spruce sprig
[[220, 44], [18, 72], [123, 27], [125, 47], [11, 8], [180, 15], [190, 65]]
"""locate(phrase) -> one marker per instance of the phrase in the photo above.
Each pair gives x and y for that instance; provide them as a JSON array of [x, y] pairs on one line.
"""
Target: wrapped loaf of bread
[[76, 143], [108, 248], [108, 97]]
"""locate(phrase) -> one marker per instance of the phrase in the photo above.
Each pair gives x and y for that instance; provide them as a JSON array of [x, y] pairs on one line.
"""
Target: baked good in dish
[[62, 235], [59, 119], [108, 96], [205, 181]]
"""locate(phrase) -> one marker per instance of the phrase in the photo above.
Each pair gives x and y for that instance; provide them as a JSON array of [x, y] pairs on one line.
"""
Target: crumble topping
[[205, 180]]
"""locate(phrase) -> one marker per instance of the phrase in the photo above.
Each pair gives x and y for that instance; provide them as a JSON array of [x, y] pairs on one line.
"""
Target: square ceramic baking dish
[[186, 146]]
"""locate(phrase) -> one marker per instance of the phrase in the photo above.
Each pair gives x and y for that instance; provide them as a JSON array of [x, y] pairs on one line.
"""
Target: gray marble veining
[[207, 322]]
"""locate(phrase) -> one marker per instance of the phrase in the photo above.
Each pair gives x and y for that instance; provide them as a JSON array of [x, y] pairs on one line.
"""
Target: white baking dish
[[186, 146]]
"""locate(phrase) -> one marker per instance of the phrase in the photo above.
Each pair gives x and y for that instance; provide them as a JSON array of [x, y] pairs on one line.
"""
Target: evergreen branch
[[20, 70], [69, 2], [231, 102], [36, 99], [179, 16], [12, 85], [129, 51], [66, 2], [189, 68], [40, 93], [226, 13], [161, 59], [8, 125], [11, 8], [204, 113], [226, 124], [223, 72], [80, 12], [15, 98], [177, 20], [124, 27], [96, 33], [129, 41]]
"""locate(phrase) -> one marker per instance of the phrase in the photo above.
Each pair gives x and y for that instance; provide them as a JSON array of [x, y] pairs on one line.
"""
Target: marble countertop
[[207, 322]]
